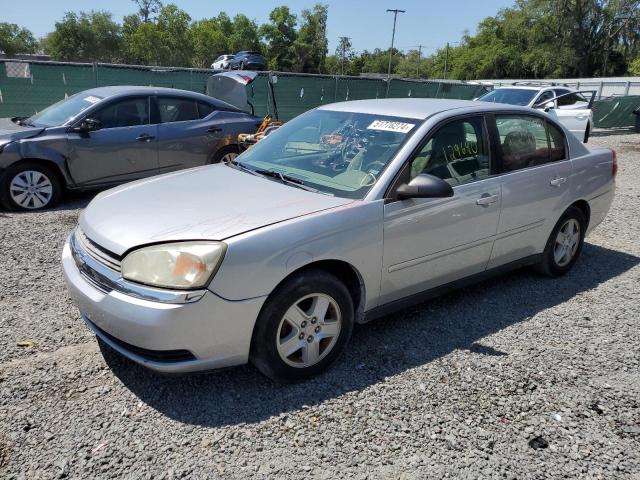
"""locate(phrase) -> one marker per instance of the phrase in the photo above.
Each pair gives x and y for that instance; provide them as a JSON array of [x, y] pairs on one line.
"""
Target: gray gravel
[[517, 377]]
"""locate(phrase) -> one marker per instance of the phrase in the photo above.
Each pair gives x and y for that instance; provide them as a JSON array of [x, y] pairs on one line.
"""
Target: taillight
[[614, 165]]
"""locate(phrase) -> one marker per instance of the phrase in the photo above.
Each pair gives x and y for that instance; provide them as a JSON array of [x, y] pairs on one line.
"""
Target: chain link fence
[[29, 86]]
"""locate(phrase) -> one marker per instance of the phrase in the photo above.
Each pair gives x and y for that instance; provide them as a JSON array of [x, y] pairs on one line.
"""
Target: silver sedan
[[344, 214]]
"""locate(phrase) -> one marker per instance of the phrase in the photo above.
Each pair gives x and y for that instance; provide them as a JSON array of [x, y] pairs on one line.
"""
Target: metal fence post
[[626, 89], [600, 90]]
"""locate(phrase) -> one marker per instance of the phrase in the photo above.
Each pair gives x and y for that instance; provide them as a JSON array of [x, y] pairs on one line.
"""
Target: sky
[[430, 23]]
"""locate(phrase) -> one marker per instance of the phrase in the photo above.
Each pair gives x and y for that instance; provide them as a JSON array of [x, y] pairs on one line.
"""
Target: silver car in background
[[344, 214]]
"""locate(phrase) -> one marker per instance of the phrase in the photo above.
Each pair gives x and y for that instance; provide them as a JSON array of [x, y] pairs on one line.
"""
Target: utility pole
[[446, 61], [393, 36], [419, 56]]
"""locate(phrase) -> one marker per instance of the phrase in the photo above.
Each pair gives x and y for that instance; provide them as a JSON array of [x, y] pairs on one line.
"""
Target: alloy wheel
[[31, 189], [309, 330], [227, 157], [567, 242]]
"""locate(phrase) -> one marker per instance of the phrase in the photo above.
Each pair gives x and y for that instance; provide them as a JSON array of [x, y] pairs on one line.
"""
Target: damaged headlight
[[180, 265]]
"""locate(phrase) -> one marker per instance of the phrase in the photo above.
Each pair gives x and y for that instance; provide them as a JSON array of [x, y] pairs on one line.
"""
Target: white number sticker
[[92, 99], [388, 126]]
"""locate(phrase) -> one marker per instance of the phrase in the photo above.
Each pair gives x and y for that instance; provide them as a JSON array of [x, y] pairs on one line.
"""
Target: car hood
[[12, 131], [214, 202]]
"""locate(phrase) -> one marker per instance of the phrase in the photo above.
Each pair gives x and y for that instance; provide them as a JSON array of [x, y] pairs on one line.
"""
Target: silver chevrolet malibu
[[344, 214]]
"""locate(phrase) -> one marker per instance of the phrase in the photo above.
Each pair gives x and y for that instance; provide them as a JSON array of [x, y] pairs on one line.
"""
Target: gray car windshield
[[336, 153], [63, 111], [511, 96]]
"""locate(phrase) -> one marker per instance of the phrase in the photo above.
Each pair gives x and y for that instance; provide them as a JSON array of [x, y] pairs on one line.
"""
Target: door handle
[[145, 137], [487, 199], [556, 182], [214, 129]]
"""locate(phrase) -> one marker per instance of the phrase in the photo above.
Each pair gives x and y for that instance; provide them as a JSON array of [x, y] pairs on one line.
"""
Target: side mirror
[[425, 186], [88, 125], [549, 106]]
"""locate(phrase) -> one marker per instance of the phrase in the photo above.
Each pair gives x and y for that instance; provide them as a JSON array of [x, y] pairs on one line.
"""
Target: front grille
[[164, 356], [97, 252]]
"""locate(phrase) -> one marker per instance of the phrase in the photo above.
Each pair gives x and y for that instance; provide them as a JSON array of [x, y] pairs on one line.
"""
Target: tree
[[90, 36], [243, 35], [14, 39], [208, 40], [146, 8], [634, 67], [280, 36], [311, 45], [345, 53]]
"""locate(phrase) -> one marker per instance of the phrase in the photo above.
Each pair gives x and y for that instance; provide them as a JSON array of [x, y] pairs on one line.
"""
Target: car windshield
[[511, 96], [63, 111], [336, 153]]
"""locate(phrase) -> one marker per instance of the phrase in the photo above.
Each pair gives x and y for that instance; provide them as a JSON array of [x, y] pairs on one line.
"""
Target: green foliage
[[634, 67], [311, 46], [14, 39], [280, 35], [85, 36]]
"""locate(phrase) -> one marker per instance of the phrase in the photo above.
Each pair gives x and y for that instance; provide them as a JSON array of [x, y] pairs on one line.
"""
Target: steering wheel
[[368, 175]]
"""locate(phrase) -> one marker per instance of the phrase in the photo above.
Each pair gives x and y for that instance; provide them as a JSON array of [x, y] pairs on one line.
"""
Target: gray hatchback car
[[110, 135]]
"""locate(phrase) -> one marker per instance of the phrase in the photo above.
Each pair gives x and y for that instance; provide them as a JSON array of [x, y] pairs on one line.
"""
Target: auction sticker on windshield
[[389, 126], [92, 99]]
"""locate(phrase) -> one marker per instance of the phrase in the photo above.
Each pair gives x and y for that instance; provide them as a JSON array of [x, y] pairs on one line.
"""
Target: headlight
[[181, 265]]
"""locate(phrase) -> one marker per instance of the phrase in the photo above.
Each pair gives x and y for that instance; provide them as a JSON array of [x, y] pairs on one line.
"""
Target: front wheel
[[565, 244], [303, 327], [29, 186]]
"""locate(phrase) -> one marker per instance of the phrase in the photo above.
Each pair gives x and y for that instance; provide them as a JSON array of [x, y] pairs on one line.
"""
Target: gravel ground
[[517, 377]]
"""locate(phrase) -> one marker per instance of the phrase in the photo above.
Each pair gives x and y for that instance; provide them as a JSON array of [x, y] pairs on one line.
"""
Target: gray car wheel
[[565, 243], [303, 327], [30, 186]]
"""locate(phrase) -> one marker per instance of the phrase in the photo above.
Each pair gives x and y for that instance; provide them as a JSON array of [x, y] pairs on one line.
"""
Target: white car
[[222, 62], [567, 105]]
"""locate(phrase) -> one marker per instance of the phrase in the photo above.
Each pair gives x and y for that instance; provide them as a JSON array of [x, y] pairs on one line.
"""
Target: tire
[[552, 263], [229, 151], [292, 339], [587, 133], [43, 181]]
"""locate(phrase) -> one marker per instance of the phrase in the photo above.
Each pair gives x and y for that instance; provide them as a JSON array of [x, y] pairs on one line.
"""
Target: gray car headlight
[[181, 265]]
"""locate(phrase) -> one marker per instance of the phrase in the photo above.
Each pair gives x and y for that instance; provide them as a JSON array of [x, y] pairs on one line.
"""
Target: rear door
[[572, 110], [188, 135], [535, 173], [430, 242], [124, 148]]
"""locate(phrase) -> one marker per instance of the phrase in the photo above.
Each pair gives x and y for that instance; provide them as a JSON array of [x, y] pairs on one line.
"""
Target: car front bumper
[[168, 337]]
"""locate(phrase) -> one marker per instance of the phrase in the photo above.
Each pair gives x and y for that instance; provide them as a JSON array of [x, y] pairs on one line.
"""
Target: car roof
[[126, 90], [417, 108]]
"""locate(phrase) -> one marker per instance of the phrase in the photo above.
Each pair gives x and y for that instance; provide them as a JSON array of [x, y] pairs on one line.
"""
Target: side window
[[566, 100], [177, 109], [124, 113], [205, 109], [545, 97], [457, 153], [523, 140], [556, 138]]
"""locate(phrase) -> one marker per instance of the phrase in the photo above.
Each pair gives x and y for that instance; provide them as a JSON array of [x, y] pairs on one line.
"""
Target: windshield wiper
[[240, 166], [284, 178]]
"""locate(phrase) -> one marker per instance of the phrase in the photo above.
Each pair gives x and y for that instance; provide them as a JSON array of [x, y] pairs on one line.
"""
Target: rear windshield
[[511, 96]]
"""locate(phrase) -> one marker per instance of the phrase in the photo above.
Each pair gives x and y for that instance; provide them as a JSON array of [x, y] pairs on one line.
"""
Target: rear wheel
[[29, 186], [226, 154], [565, 244], [303, 327]]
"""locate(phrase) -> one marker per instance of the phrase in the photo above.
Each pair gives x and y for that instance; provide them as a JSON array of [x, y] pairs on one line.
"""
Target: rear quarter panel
[[592, 180]]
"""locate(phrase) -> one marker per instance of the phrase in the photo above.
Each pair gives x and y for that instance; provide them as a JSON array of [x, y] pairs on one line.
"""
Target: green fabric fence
[[27, 87]]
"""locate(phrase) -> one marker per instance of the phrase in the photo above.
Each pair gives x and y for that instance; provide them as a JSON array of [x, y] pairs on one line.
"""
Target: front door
[[430, 242], [536, 174], [123, 148]]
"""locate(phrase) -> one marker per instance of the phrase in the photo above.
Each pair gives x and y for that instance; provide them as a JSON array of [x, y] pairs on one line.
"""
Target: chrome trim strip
[[107, 280], [88, 246]]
